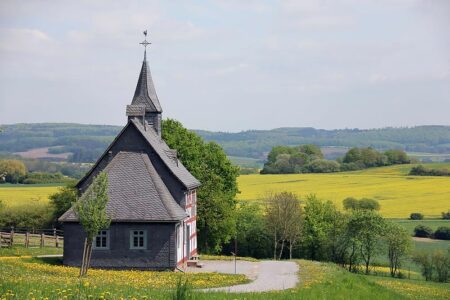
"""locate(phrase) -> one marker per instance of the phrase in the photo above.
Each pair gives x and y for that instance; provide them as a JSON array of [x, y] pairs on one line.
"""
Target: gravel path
[[266, 275]]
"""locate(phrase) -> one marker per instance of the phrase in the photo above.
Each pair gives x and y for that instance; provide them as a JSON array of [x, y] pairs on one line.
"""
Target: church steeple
[[145, 104]]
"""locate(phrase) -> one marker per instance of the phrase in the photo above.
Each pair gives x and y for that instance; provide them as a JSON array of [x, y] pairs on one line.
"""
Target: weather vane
[[145, 43]]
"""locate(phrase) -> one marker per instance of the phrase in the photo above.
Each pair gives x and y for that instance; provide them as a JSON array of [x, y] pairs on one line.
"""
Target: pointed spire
[[145, 93]]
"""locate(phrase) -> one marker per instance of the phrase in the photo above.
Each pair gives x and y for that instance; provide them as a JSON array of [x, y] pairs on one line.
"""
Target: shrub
[[416, 216], [446, 215], [442, 233], [30, 215], [423, 231]]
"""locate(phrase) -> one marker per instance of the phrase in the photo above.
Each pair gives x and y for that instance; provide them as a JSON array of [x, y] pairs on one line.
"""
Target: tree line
[[310, 159], [280, 227]]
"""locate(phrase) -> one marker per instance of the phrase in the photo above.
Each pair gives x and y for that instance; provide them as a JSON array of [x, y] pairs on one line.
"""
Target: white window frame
[[133, 235], [105, 234]]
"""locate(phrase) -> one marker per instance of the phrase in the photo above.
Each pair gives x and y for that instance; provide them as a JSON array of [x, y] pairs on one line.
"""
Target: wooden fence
[[31, 238]]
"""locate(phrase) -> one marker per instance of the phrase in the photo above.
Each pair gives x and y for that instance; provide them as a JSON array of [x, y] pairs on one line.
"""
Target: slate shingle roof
[[135, 110], [136, 192], [145, 93], [166, 155]]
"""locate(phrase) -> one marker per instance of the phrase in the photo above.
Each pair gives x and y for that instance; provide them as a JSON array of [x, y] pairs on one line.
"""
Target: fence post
[[11, 241], [42, 240], [56, 238], [27, 237]]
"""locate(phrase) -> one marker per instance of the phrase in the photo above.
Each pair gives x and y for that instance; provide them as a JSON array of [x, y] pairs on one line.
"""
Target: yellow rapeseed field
[[399, 194], [19, 195]]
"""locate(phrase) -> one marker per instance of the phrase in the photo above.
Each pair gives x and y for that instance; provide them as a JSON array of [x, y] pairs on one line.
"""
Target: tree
[[316, 226], [63, 199], [367, 226], [441, 263], [442, 233], [416, 216], [91, 212], [423, 231], [216, 196], [424, 260], [369, 204], [398, 242], [446, 215], [251, 232], [283, 218], [396, 157], [12, 170], [350, 203]]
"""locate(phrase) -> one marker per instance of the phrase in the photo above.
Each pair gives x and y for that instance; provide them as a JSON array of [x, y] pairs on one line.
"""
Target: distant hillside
[[255, 143], [84, 143]]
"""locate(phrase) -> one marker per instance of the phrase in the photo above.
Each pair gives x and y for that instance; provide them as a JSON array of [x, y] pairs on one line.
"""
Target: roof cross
[[145, 43]]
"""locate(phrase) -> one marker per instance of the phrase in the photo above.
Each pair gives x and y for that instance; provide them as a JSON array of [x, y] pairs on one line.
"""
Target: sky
[[229, 65]]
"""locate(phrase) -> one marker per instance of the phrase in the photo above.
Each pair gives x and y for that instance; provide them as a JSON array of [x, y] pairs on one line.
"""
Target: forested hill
[[253, 143], [87, 142]]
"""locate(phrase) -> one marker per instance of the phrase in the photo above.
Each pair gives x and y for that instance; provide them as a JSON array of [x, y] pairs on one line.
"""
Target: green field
[[399, 194]]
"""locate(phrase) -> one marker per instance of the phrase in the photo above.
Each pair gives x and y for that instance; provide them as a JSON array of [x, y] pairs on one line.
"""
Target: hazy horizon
[[229, 66]]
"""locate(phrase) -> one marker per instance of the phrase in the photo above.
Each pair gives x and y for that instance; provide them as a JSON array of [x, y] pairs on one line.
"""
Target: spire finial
[[145, 44]]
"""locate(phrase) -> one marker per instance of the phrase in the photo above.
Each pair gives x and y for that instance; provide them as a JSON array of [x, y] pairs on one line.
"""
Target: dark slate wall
[[132, 140], [159, 255]]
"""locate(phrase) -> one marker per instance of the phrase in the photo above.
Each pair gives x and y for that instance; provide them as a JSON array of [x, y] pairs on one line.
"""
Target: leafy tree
[[322, 166], [316, 227], [364, 204], [446, 215], [416, 216], [12, 170], [424, 260], [251, 232], [283, 218], [442, 233], [441, 263], [395, 157], [91, 212], [369, 204], [216, 196], [423, 231], [63, 199], [367, 226], [350, 203], [398, 242]]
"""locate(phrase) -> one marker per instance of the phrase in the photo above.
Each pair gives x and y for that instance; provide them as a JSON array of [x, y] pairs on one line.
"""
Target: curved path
[[266, 275]]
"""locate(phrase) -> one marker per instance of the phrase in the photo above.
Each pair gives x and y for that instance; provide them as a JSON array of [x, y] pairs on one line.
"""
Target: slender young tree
[[91, 211], [398, 243]]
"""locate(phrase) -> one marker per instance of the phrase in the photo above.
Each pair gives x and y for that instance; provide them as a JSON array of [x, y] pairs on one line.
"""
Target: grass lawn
[[27, 278], [399, 195]]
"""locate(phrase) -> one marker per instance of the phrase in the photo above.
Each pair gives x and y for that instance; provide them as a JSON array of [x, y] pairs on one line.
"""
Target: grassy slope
[[398, 194]]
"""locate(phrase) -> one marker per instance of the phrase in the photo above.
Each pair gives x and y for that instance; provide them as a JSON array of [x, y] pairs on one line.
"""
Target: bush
[[441, 263], [446, 215], [442, 233], [423, 231], [416, 216]]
